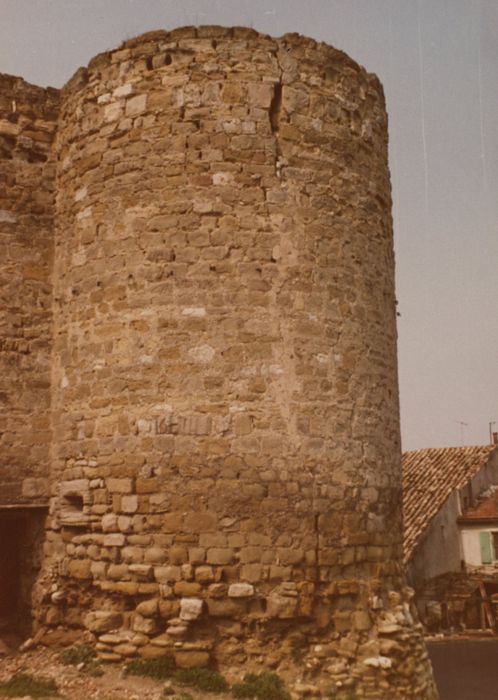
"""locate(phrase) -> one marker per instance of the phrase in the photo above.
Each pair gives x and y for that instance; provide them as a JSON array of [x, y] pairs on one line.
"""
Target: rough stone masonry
[[198, 359]]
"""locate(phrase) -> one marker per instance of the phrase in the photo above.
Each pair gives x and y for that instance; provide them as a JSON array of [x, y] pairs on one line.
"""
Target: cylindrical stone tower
[[225, 405]]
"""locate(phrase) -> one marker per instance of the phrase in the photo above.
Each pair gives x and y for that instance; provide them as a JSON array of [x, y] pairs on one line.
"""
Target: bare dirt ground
[[74, 684]]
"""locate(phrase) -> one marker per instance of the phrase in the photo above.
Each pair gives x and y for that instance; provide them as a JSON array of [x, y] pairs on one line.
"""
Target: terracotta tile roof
[[429, 476]]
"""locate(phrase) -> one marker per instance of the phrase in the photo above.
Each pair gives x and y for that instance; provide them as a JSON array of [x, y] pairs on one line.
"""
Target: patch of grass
[[93, 669], [265, 686], [203, 679], [161, 669], [79, 654], [84, 656], [22, 684], [164, 669]]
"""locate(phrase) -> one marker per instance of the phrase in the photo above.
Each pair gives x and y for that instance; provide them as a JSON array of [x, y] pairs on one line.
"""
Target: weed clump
[[161, 669], [79, 654], [22, 684], [164, 669], [203, 679], [84, 657], [265, 686]]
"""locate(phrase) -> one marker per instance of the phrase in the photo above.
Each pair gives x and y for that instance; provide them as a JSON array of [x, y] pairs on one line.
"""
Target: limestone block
[[240, 590], [169, 608], [218, 590], [204, 574], [118, 572], [135, 105], [102, 621], [98, 569], [129, 504], [126, 650], [123, 486], [145, 625], [74, 487], [151, 651], [80, 568], [187, 588], [219, 555], [190, 608], [8, 216], [282, 603], [112, 112], [35, 488], [109, 522], [132, 555], [196, 555], [148, 608], [114, 540], [123, 90], [155, 555], [253, 573], [191, 659], [378, 662], [167, 574], [224, 607], [141, 571], [178, 555], [125, 523], [362, 620]]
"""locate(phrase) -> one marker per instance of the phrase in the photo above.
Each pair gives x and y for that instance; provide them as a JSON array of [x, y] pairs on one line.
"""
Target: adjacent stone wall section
[[28, 117]]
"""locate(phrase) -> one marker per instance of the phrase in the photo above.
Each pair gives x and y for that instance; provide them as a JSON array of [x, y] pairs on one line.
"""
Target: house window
[[494, 536], [489, 547]]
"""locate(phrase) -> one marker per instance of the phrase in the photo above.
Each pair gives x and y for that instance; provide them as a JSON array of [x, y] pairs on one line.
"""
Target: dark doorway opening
[[21, 540]]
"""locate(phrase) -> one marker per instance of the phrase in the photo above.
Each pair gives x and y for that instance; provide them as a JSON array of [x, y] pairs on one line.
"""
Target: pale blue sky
[[438, 61]]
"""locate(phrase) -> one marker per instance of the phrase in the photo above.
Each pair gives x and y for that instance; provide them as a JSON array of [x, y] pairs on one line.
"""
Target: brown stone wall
[[27, 124], [226, 459]]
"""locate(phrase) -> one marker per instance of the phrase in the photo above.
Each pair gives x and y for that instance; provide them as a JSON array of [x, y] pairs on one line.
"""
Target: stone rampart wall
[[225, 468], [28, 117]]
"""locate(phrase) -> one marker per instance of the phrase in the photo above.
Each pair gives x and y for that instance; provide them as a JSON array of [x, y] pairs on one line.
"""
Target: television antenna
[[462, 425]]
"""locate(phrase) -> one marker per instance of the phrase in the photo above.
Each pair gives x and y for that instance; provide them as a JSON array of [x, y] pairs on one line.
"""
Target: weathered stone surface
[[199, 352], [190, 608], [240, 590], [102, 621], [191, 659], [145, 625]]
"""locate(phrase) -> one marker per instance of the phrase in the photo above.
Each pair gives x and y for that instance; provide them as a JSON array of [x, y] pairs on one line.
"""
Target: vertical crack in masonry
[[275, 107], [274, 116]]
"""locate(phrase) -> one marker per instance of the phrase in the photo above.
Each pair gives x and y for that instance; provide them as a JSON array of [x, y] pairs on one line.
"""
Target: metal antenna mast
[[462, 425]]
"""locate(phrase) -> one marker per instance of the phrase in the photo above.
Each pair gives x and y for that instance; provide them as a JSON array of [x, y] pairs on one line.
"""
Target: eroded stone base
[[351, 640]]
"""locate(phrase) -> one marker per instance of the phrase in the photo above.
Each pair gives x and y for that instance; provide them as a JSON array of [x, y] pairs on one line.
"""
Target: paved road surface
[[466, 669]]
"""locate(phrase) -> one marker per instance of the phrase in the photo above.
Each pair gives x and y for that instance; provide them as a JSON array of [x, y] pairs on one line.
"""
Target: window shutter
[[486, 551]]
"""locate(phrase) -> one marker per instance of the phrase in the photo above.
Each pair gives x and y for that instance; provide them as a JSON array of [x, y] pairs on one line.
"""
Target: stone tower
[[225, 456]]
